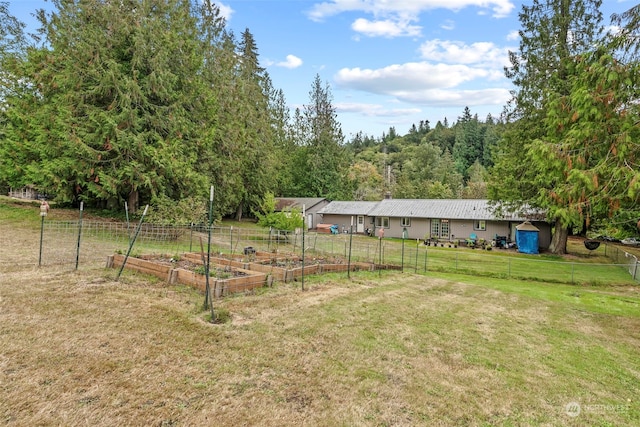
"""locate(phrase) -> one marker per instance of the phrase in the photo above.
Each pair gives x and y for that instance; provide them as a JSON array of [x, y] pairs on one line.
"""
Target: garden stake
[[191, 238], [126, 212], [44, 210], [294, 246], [380, 234], [402, 256], [79, 233], [202, 257], [349, 259], [207, 299], [135, 236]]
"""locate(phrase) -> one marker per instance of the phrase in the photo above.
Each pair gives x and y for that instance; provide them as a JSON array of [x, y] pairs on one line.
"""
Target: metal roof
[[297, 202], [348, 208], [472, 209]]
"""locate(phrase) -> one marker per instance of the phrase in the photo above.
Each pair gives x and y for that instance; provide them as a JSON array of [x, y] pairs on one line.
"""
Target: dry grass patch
[[403, 350]]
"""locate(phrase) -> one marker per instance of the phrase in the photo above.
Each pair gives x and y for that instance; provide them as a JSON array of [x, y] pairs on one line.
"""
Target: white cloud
[[385, 28], [513, 35], [291, 62], [374, 110], [424, 83], [225, 11], [458, 52], [406, 77], [448, 25], [449, 98], [384, 8]]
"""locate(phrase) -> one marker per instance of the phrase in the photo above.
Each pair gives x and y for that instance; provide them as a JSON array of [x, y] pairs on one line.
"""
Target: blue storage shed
[[527, 238]]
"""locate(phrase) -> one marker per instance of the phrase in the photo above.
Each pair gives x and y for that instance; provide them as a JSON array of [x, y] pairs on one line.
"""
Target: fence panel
[[100, 239]]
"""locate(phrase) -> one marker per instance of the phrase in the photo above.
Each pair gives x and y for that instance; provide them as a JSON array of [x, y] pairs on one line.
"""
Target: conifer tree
[[325, 158], [114, 95], [553, 34]]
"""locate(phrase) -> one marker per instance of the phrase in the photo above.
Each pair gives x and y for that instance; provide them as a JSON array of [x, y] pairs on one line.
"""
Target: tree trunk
[[239, 212], [133, 201], [559, 240]]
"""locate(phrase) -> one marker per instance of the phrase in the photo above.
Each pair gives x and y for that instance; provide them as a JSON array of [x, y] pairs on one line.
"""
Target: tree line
[[151, 102]]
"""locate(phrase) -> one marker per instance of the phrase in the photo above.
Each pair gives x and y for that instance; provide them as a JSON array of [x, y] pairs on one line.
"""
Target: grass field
[[400, 349]]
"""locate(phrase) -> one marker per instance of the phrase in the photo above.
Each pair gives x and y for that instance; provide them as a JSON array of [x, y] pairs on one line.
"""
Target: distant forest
[[153, 101]]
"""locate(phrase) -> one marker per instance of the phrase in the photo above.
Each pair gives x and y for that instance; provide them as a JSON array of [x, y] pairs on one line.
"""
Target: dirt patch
[[216, 271]]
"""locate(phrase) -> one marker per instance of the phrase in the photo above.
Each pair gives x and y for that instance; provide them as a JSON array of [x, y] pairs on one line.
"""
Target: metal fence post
[[79, 234], [41, 237]]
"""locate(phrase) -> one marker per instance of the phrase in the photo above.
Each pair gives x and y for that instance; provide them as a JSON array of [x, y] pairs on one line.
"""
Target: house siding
[[417, 229], [461, 215], [345, 221]]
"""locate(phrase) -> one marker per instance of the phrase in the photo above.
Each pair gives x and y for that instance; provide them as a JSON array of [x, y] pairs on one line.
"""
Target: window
[[405, 222], [444, 228], [435, 228], [479, 225], [439, 228], [382, 221]]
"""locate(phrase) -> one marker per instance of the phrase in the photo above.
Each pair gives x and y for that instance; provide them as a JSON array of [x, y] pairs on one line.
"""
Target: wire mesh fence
[[622, 257], [77, 243]]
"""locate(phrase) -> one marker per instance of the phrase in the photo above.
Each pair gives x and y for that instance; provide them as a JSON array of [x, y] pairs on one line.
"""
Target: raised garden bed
[[223, 280], [233, 274], [287, 268]]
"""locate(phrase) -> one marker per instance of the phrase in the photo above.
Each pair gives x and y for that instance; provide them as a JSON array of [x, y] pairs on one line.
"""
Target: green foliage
[[320, 164], [150, 102], [190, 210], [592, 138], [527, 169], [287, 219]]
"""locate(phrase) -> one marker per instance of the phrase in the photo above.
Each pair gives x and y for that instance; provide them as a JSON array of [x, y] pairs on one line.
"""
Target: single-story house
[[346, 214], [441, 219], [310, 205]]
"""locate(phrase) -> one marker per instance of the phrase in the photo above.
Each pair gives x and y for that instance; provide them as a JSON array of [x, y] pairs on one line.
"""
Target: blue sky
[[389, 63]]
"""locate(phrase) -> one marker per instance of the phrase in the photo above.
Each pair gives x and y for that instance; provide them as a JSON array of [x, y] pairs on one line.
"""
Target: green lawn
[[434, 348]]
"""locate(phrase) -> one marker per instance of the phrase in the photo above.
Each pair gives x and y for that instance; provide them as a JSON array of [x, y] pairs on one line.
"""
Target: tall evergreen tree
[[284, 144], [553, 34], [323, 154], [254, 148], [111, 116], [468, 142]]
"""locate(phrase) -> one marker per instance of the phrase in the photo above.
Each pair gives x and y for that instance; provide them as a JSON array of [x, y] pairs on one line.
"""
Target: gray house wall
[[463, 229], [312, 217], [345, 221], [420, 228], [422, 213], [417, 230]]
